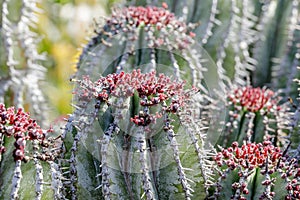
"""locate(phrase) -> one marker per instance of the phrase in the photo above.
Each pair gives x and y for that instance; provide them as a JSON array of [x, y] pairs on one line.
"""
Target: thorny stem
[[125, 57], [203, 155], [250, 131], [267, 192], [56, 182], [221, 53], [16, 181], [39, 171], [182, 177], [173, 60], [242, 180], [212, 21], [218, 186], [1, 145], [105, 141], [142, 147], [104, 163], [126, 164], [8, 33], [73, 169], [146, 180]]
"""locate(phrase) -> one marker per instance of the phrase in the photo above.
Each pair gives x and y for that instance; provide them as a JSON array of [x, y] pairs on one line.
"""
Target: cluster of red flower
[[151, 89], [254, 99], [19, 125]]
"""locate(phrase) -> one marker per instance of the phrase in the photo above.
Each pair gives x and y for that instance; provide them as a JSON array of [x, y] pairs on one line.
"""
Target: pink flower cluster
[[153, 19], [254, 99], [19, 125], [249, 156], [151, 89], [269, 159], [136, 16]]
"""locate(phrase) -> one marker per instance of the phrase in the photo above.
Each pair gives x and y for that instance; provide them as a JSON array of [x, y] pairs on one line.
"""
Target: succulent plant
[[17, 129], [259, 171], [143, 110], [255, 115], [172, 100]]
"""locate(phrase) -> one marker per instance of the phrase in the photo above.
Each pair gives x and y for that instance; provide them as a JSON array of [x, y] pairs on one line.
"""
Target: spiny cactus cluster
[[172, 100], [159, 97], [22, 128], [253, 111], [265, 163]]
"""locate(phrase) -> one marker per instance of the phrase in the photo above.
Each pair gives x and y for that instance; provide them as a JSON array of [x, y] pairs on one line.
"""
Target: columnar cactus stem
[[202, 158], [267, 183], [240, 187], [130, 36], [8, 32], [262, 21], [253, 109], [174, 62], [211, 23], [105, 141], [73, 169], [174, 145], [2, 148], [19, 126], [221, 53], [39, 171], [68, 127], [83, 127], [249, 133], [229, 38], [27, 38], [238, 74], [142, 148], [112, 130], [241, 42], [56, 182], [196, 134], [218, 185], [143, 158], [196, 68], [16, 181], [293, 23], [286, 66]]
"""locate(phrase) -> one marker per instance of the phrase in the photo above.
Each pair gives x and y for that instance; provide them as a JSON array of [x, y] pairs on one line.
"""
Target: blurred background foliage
[[64, 26]]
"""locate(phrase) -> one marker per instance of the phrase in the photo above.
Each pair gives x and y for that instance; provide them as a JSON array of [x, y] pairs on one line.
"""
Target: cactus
[[172, 100], [26, 148], [155, 102], [17, 129], [253, 111], [259, 171]]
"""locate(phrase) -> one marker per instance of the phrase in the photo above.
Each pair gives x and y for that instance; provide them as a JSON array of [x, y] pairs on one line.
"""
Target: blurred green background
[[65, 26]]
